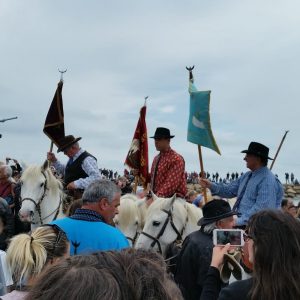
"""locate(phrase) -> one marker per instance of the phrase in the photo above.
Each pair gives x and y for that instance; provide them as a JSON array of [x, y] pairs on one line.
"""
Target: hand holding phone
[[218, 256]]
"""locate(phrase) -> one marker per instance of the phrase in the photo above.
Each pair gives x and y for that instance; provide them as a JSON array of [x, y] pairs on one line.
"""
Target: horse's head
[[34, 186], [165, 221], [128, 220]]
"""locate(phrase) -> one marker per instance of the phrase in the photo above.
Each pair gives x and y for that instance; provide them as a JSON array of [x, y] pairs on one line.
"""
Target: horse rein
[[38, 205], [155, 240]]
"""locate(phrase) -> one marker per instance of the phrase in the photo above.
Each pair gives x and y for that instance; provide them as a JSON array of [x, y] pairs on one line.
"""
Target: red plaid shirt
[[170, 175]]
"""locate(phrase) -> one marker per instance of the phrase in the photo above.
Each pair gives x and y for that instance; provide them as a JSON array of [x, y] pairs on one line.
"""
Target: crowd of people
[[84, 256]]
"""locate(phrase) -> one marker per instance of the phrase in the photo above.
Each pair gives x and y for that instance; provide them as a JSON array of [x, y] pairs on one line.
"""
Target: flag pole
[[282, 140], [136, 181], [202, 173], [51, 149]]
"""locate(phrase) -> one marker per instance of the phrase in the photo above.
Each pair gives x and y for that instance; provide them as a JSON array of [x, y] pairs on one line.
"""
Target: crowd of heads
[[41, 266], [40, 259], [127, 274]]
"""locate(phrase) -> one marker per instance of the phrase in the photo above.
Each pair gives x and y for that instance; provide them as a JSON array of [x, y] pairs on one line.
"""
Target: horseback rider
[[168, 167], [81, 169]]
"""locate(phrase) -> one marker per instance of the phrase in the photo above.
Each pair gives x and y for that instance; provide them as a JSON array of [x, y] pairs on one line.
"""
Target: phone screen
[[234, 237]]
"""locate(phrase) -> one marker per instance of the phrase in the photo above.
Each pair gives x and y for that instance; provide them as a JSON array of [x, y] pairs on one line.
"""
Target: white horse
[[168, 220], [128, 219], [41, 195]]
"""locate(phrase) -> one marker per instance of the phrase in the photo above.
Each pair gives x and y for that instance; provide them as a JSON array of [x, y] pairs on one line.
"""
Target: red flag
[[137, 157], [54, 126]]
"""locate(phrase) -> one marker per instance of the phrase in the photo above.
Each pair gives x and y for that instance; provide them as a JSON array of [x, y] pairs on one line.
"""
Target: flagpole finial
[[190, 69], [62, 74], [146, 99]]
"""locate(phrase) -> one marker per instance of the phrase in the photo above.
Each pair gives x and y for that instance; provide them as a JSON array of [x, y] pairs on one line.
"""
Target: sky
[[118, 52]]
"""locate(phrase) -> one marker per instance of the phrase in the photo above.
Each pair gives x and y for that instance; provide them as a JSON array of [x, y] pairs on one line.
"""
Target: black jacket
[[193, 264], [236, 291]]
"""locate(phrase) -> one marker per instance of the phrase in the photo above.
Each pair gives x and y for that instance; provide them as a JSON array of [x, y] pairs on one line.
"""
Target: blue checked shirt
[[89, 166], [263, 190]]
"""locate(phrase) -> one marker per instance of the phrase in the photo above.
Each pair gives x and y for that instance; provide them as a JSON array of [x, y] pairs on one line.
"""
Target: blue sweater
[[90, 236]]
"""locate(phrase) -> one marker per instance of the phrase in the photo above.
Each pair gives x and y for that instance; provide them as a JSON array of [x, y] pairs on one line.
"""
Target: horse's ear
[[169, 202], [173, 198], [154, 197], [45, 166]]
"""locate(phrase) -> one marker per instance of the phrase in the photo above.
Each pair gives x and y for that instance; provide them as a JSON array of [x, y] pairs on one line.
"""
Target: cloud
[[167, 109]]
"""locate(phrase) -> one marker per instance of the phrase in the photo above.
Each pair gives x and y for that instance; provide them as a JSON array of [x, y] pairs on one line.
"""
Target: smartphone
[[222, 237]]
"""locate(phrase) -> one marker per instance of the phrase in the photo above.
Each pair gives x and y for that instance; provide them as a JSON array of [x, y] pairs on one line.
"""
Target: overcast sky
[[117, 52]]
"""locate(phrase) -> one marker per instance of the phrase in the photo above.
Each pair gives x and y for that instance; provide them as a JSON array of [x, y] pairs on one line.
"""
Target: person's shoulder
[[269, 176], [198, 239], [62, 221], [112, 230], [112, 234], [236, 290], [176, 155]]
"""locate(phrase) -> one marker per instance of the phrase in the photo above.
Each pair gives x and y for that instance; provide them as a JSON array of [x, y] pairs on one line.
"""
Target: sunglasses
[[247, 237]]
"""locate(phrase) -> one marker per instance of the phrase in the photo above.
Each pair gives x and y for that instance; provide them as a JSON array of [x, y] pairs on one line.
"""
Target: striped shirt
[[263, 191]]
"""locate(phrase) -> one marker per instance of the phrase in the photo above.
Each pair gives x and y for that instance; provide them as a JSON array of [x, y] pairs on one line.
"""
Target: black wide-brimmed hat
[[258, 150], [162, 133], [67, 142], [215, 210]]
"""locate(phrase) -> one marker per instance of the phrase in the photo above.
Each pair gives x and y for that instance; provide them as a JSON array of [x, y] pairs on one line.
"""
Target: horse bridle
[[155, 240], [132, 240], [38, 204]]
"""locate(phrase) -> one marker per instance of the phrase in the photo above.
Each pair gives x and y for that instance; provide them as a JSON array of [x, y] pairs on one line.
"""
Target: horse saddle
[[231, 266]]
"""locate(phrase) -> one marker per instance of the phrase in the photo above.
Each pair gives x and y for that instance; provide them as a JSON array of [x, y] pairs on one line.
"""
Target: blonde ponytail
[[28, 254]]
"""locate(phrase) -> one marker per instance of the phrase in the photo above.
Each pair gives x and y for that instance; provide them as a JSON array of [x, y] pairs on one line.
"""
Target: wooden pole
[[136, 181], [202, 172], [282, 140], [51, 149]]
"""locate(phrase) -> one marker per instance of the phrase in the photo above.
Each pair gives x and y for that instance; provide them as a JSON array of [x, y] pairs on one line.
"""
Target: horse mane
[[181, 208], [194, 212], [129, 210], [164, 203]]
